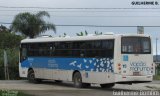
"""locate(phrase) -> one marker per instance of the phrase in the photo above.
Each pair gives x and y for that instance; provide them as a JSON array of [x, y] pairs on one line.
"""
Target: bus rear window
[[135, 45]]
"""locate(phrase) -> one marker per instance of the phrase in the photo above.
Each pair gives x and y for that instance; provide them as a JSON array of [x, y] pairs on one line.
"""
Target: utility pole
[[140, 30], [6, 66], [156, 50]]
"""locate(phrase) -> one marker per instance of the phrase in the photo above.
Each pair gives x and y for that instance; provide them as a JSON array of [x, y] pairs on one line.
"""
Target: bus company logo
[[139, 66], [52, 64], [139, 63]]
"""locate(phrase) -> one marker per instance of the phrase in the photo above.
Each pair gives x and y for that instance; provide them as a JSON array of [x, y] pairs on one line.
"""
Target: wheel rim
[[31, 76], [77, 81]]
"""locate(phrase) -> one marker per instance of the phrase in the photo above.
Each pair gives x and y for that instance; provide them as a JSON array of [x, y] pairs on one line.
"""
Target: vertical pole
[[156, 50], [140, 30], [6, 66]]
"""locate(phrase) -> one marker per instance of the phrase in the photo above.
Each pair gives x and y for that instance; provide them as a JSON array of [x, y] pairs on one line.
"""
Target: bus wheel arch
[[74, 74], [30, 69]]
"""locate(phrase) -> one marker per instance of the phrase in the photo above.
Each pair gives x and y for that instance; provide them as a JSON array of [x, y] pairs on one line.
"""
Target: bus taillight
[[119, 68]]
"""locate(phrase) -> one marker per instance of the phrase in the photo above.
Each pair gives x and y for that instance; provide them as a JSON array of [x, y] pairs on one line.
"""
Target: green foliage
[[86, 33], [4, 29], [13, 58], [156, 77], [24, 94], [9, 42], [98, 33], [64, 35], [31, 25], [82, 33], [13, 93]]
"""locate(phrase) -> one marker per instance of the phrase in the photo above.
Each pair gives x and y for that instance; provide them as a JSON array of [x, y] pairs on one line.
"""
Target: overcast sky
[[106, 17]]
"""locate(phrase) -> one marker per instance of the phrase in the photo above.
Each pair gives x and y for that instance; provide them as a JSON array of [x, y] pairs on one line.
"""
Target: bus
[[94, 59]]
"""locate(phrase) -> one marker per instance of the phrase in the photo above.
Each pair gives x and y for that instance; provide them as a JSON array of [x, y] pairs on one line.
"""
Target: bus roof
[[77, 38]]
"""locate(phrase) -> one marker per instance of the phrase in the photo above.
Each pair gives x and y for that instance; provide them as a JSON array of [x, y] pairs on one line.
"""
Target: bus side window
[[107, 48], [146, 46], [52, 50]]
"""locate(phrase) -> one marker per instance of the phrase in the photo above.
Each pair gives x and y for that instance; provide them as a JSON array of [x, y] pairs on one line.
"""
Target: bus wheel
[[58, 81], [77, 79], [107, 85], [31, 77], [86, 85]]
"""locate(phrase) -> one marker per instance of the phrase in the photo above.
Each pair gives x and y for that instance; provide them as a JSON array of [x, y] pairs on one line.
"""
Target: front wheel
[[31, 77], [110, 85]]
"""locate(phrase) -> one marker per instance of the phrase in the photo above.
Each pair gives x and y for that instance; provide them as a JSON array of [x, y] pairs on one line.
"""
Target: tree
[[9, 42], [9, 39], [31, 25], [82, 34], [98, 33], [4, 29], [64, 35]]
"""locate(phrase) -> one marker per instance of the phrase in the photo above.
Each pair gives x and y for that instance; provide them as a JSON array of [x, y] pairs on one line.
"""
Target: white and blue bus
[[103, 59]]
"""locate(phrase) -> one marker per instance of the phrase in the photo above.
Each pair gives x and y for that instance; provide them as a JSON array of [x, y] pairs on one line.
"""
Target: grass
[[156, 77], [12, 93], [23, 94]]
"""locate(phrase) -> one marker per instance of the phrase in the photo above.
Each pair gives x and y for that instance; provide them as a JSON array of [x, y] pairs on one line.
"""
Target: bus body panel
[[23, 71], [139, 68], [63, 68]]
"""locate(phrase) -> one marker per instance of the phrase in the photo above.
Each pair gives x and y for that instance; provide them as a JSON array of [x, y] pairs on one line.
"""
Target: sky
[[112, 13]]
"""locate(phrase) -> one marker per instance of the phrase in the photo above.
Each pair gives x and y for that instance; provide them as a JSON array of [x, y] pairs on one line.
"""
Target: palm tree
[[98, 33], [82, 34], [31, 25], [64, 35]]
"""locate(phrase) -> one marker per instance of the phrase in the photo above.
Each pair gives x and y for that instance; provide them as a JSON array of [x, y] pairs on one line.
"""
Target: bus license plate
[[136, 73]]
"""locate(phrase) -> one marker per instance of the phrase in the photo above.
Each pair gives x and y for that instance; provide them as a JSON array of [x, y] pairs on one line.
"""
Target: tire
[[110, 85], [77, 79], [38, 80], [31, 77], [86, 85], [58, 81]]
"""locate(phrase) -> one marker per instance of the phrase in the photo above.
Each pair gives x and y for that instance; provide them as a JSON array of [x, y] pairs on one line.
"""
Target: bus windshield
[[135, 45]]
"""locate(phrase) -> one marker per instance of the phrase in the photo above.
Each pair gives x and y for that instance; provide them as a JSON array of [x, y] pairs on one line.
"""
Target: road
[[51, 88]]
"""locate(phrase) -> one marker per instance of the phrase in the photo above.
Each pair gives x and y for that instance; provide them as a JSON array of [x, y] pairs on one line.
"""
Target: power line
[[71, 8], [82, 25], [87, 16], [81, 11]]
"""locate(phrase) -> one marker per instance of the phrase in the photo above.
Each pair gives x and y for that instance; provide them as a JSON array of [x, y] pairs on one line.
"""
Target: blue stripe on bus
[[86, 64]]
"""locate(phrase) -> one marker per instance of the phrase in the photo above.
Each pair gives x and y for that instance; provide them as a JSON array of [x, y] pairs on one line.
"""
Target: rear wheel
[[58, 81], [110, 85], [77, 79], [86, 85]]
